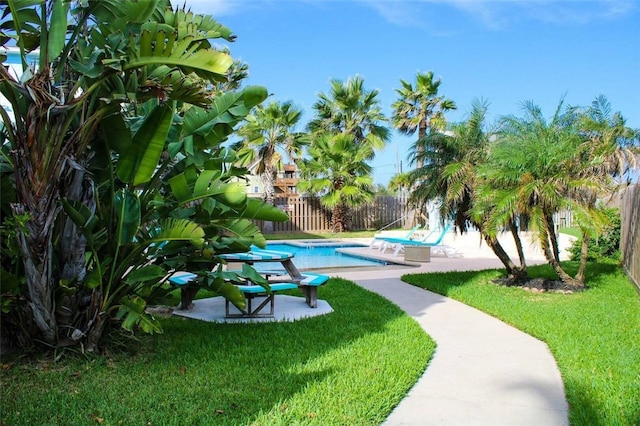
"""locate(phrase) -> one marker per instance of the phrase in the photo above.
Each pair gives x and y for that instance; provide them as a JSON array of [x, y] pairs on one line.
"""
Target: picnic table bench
[[278, 280]]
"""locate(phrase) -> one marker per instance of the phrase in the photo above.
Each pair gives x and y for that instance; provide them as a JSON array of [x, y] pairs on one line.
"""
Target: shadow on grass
[[443, 282], [229, 374]]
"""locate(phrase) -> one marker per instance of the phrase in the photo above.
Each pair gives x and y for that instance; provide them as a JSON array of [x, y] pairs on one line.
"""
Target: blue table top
[[258, 255]]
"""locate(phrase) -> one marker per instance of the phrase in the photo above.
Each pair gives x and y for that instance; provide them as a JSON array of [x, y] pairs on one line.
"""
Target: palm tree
[[609, 139], [449, 175], [350, 114], [352, 110], [338, 172], [420, 108], [543, 166], [612, 151], [400, 182], [267, 134]]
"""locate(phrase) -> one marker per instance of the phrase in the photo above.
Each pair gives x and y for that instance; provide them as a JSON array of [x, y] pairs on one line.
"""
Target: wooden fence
[[630, 233], [308, 215]]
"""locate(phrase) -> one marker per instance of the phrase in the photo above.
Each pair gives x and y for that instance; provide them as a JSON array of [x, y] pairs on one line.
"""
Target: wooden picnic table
[[278, 280], [261, 256], [307, 282]]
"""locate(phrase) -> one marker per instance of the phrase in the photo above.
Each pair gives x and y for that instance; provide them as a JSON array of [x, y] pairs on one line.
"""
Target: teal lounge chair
[[398, 244], [378, 240]]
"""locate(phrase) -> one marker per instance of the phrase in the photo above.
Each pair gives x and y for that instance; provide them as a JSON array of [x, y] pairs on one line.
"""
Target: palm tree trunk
[[553, 258], [269, 196], [514, 272], [584, 251], [422, 132], [338, 218], [518, 241], [551, 229]]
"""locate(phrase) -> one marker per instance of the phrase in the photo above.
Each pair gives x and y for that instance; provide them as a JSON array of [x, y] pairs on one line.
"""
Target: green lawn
[[594, 335], [574, 232], [350, 367]]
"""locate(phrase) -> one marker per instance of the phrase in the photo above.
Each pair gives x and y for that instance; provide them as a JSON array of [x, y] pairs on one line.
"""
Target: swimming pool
[[321, 255]]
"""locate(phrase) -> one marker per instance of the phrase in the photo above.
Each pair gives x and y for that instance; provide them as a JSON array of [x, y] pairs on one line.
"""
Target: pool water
[[309, 257]]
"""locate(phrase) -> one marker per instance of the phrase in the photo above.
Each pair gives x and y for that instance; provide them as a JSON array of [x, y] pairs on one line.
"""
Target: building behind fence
[[308, 215], [630, 233]]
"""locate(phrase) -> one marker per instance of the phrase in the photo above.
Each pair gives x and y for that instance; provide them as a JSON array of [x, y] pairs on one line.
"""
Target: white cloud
[[496, 14]]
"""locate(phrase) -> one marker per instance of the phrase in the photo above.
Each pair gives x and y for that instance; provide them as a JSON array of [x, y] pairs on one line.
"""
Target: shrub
[[607, 245]]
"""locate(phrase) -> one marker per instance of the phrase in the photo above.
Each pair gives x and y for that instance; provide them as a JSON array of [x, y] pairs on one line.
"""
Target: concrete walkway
[[484, 372]]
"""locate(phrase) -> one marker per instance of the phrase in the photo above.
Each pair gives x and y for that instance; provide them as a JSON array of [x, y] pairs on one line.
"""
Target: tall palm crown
[[337, 170], [352, 110], [449, 165], [541, 166], [609, 139], [450, 174], [420, 108], [269, 130]]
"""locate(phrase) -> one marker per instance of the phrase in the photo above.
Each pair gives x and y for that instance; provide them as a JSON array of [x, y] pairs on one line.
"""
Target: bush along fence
[[630, 233], [308, 215]]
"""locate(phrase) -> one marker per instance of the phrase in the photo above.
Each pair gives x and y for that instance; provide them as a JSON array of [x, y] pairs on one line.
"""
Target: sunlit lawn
[[594, 335], [350, 367]]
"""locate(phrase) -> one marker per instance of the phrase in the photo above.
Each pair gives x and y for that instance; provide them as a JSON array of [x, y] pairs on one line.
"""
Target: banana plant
[[117, 109]]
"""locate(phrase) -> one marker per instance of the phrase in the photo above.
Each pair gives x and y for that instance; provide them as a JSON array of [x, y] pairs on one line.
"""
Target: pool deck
[[484, 372]]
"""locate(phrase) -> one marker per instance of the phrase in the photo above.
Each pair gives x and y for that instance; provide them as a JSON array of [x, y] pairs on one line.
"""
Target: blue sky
[[506, 52]]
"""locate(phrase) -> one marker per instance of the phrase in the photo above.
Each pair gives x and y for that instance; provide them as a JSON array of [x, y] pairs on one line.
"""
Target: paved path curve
[[484, 372]]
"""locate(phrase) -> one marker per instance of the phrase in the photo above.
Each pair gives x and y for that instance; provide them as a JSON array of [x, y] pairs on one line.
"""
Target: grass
[[594, 335], [349, 367], [574, 232]]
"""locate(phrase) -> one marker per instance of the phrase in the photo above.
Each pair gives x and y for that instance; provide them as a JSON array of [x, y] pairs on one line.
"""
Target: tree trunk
[[551, 229], [269, 196], [73, 252], [37, 256], [514, 272], [518, 241], [584, 253], [338, 218], [422, 132], [553, 258]]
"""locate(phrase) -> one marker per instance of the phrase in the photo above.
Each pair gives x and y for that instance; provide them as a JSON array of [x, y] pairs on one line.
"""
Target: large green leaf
[[207, 185], [141, 160], [232, 294], [206, 25], [132, 310], [86, 221], [146, 273], [201, 121], [178, 230], [116, 132], [159, 45], [127, 207], [259, 210], [240, 231], [254, 95], [57, 28]]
